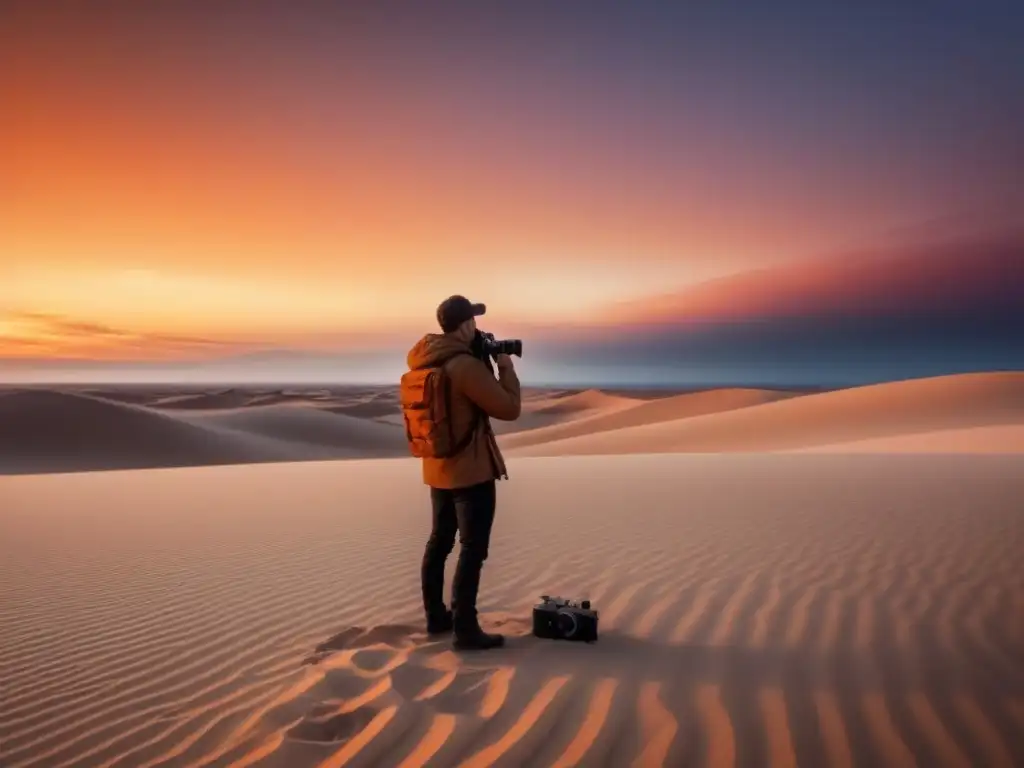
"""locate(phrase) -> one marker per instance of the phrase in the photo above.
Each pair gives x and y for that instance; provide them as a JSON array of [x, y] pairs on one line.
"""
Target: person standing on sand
[[448, 397]]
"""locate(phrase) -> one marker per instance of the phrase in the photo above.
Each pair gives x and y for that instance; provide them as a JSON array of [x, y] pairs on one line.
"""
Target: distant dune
[[311, 425], [211, 401], [632, 412], [369, 409], [44, 431], [543, 412], [75, 430], [381, 403], [51, 431], [588, 400], [135, 397], [274, 398], [877, 411], [538, 394]]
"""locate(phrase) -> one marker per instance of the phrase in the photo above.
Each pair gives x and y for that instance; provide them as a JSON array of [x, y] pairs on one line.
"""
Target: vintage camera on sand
[[556, 618], [495, 347]]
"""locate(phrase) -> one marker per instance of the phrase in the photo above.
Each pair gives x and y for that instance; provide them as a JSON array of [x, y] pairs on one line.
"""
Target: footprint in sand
[[434, 703], [335, 727]]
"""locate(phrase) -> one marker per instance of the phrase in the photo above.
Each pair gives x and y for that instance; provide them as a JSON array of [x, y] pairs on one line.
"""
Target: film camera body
[[556, 618]]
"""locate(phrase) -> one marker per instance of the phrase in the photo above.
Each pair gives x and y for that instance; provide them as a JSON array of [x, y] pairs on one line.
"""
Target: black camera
[[556, 618], [495, 347]]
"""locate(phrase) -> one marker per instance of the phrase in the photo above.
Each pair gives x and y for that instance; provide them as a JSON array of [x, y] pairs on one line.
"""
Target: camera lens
[[566, 623]]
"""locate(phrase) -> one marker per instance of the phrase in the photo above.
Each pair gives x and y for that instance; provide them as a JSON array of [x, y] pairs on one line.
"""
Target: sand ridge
[[542, 413], [231, 398], [588, 400], [631, 413], [859, 413]]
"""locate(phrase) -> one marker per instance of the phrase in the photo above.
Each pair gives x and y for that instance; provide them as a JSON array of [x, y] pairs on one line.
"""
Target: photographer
[[448, 397]]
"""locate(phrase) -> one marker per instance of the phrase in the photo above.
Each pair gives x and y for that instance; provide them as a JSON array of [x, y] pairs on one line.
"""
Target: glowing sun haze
[[197, 179]]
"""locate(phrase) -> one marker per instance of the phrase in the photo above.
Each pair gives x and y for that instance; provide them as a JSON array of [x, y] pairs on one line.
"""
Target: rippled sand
[[755, 610]]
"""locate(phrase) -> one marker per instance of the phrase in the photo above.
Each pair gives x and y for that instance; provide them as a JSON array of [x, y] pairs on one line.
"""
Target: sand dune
[[205, 401], [276, 398], [380, 404], [1005, 438], [543, 412], [588, 400], [44, 431], [310, 425], [537, 394], [631, 412], [541, 408], [134, 397], [369, 409], [48, 431], [877, 411], [756, 611]]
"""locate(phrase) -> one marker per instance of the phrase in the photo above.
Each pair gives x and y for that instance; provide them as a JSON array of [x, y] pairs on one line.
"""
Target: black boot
[[475, 639], [468, 634], [439, 623]]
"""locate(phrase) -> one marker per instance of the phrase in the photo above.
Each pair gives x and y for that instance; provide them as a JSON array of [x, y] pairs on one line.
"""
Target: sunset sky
[[207, 180]]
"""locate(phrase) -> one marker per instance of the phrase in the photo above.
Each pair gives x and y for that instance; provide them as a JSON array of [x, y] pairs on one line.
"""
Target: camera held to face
[[494, 347], [556, 618]]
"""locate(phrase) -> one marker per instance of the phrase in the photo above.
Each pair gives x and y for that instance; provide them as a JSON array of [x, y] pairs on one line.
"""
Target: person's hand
[[503, 361]]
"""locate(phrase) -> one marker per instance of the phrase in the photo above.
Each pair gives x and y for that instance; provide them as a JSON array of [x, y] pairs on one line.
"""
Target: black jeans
[[470, 513]]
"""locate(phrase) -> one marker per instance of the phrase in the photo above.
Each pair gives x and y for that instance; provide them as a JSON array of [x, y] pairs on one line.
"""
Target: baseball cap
[[455, 310]]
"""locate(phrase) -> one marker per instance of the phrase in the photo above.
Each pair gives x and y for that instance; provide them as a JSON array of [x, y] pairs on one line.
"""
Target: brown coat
[[474, 388]]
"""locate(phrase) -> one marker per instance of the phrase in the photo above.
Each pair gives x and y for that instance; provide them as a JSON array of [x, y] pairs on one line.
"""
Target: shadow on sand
[[885, 706]]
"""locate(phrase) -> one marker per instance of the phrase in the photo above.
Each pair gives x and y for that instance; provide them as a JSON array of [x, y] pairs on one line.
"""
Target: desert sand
[[783, 579], [1003, 438], [755, 610]]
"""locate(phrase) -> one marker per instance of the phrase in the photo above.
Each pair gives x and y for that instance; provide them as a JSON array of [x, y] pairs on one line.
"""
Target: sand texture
[[756, 610]]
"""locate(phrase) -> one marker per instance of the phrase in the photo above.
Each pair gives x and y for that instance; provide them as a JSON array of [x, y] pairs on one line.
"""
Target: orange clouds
[[36, 335], [965, 278]]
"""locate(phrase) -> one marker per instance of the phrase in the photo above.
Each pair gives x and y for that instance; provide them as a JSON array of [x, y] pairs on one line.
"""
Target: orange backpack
[[426, 398]]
